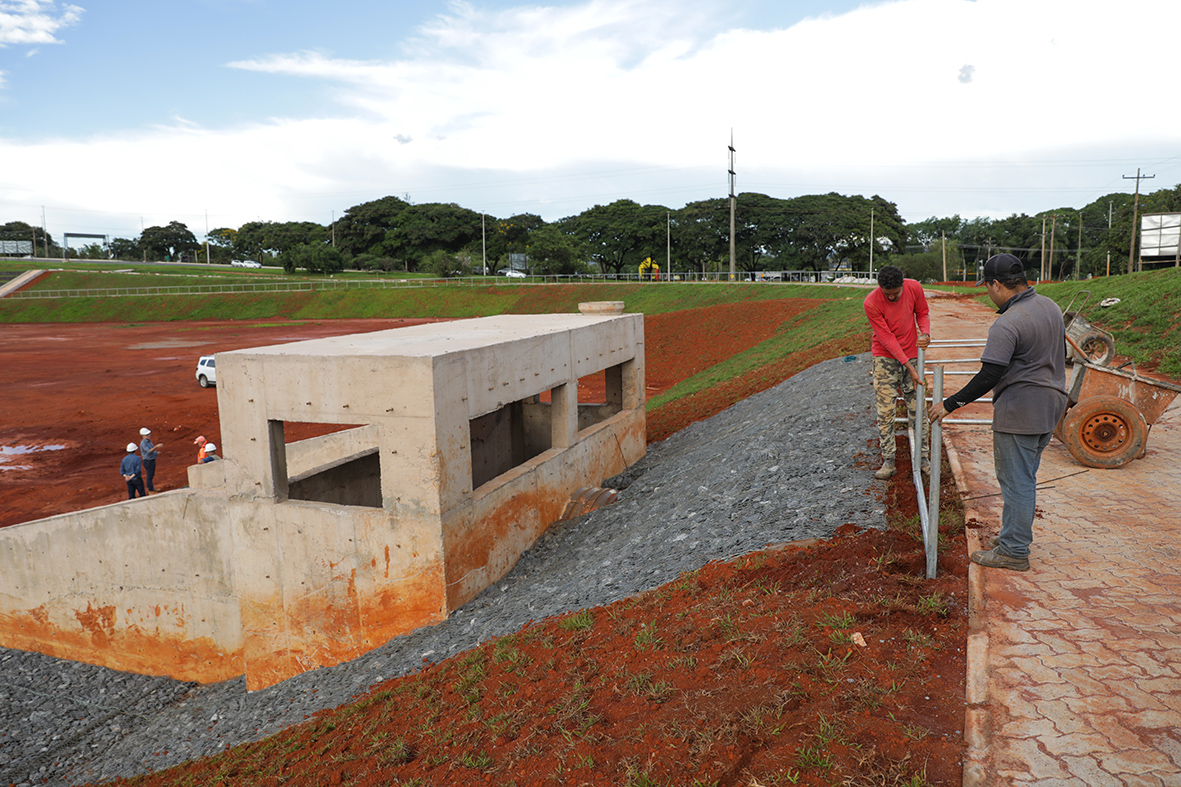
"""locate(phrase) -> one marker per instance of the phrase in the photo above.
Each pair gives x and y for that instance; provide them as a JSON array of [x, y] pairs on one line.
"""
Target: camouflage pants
[[890, 379]]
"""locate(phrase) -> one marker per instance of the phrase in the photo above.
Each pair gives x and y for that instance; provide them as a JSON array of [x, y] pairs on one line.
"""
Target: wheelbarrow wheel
[[1099, 348], [1104, 431]]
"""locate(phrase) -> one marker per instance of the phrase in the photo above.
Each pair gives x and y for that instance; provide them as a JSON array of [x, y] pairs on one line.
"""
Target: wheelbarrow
[[1109, 412], [1094, 345]]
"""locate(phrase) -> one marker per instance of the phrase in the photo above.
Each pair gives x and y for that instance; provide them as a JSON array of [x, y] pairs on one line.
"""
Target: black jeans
[[150, 473], [136, 484]]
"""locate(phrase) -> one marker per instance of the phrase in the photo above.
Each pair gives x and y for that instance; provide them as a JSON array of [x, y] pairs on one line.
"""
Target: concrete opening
[[347, 469], [509, 437], [595, 408]]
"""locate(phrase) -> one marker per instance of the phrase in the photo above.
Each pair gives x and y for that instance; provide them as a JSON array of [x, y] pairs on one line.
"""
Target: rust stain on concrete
[[336, 624], [99, 623], [100, 641]]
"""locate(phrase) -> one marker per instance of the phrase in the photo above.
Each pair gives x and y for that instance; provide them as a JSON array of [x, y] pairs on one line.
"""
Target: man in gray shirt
[[1024, 364]]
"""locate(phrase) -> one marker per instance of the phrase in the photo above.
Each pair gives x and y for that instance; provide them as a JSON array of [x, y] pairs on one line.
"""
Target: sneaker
[[995, 541], [995, 558], [885, 471]]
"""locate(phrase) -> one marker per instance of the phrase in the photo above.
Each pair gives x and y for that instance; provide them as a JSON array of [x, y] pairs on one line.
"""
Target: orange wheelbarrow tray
[[1096, 344], [1109, 413]]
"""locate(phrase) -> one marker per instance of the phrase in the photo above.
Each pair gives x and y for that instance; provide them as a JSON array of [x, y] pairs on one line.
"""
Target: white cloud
[[34, 21], [573, 105]]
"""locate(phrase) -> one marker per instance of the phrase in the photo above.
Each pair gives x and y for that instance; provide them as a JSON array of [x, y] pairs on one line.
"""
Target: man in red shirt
[[898, 313]]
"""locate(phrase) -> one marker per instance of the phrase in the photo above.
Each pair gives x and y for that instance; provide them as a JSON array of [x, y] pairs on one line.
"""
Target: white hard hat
[[145, 431], [210, 447], [131, 448]]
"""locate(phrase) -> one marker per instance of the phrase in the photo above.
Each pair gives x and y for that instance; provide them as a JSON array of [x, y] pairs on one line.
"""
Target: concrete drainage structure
[[284, 557]]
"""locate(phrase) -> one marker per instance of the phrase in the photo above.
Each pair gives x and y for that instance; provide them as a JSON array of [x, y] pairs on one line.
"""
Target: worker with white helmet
[[130, 468], [208, 450], [148, 457]]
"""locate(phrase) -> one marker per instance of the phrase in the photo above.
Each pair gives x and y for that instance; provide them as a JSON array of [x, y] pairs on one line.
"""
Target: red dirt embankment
[[76, 394]]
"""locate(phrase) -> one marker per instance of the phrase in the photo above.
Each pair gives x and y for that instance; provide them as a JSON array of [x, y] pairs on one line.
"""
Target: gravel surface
[[790, 463]]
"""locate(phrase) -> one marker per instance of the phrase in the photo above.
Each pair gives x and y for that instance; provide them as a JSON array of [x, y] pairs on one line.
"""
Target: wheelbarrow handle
[[1080, 308]]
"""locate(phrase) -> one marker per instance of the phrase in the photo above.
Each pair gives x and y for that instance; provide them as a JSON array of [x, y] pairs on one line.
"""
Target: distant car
[[245, 264], [512, 274], [206, 371]]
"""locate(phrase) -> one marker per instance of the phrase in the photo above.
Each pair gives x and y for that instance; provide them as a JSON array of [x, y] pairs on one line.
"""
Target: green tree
[[168, 242], [363, 228], [126, 249], [701, 233], [91, 251], [828, 228], [257, 239], [43, 243], [312, 257], [424, 229], [929, 232], [221, 245], [555, 253], [445, 265], [928, 265], [512, 235], [617, 237]]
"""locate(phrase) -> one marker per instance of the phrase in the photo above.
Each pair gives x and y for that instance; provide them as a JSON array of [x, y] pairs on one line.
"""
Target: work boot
[[885, 471], [995, 558]]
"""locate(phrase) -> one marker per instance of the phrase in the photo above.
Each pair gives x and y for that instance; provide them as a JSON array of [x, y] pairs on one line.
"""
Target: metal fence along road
[[307, 285]]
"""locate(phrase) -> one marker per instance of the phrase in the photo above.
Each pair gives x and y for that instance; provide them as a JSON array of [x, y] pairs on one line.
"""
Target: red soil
[[89, 388], [745, 673], [824, 664]]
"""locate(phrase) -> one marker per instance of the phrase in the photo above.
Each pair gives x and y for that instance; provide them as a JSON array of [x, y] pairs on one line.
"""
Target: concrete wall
[[145, 586], [243, 573]]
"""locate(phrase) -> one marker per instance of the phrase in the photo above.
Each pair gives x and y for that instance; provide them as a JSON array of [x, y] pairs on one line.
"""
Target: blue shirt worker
[[1024, 364], [148, 457], [209, 456], [130, 469]]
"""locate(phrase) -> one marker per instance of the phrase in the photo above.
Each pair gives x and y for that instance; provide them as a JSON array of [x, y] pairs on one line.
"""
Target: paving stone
[[1103, 594]]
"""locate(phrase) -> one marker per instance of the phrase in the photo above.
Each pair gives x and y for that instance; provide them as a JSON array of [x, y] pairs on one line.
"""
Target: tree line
[[813, 232]]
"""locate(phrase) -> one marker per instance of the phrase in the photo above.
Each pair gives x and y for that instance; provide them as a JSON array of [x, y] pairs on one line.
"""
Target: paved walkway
[[1074, 667]]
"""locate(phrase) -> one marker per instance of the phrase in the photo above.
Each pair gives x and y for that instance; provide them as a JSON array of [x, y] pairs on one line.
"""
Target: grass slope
[[1146, 322]]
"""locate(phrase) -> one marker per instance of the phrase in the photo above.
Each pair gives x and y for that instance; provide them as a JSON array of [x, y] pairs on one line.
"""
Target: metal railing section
[[929, 513]]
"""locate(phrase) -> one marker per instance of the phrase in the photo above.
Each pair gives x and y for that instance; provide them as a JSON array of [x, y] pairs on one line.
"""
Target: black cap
[[1003, 267]]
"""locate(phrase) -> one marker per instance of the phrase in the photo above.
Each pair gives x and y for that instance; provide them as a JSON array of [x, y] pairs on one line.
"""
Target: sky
[[115, 116]]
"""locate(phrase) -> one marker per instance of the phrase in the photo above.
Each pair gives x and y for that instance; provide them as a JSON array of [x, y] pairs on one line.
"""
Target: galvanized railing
[[312, 285], [929, 513]]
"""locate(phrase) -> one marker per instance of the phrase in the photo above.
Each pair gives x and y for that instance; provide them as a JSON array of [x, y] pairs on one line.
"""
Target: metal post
[[931, 536], [916, 459]]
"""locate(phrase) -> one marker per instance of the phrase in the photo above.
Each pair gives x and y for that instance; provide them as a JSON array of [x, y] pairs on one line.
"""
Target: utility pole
[[207, 236], [1078, 264], [1135, 214], [870, 243], [1050, 266], [1042, 261], [733, 277], [1109, 204], [668, 245], [943, 246]]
